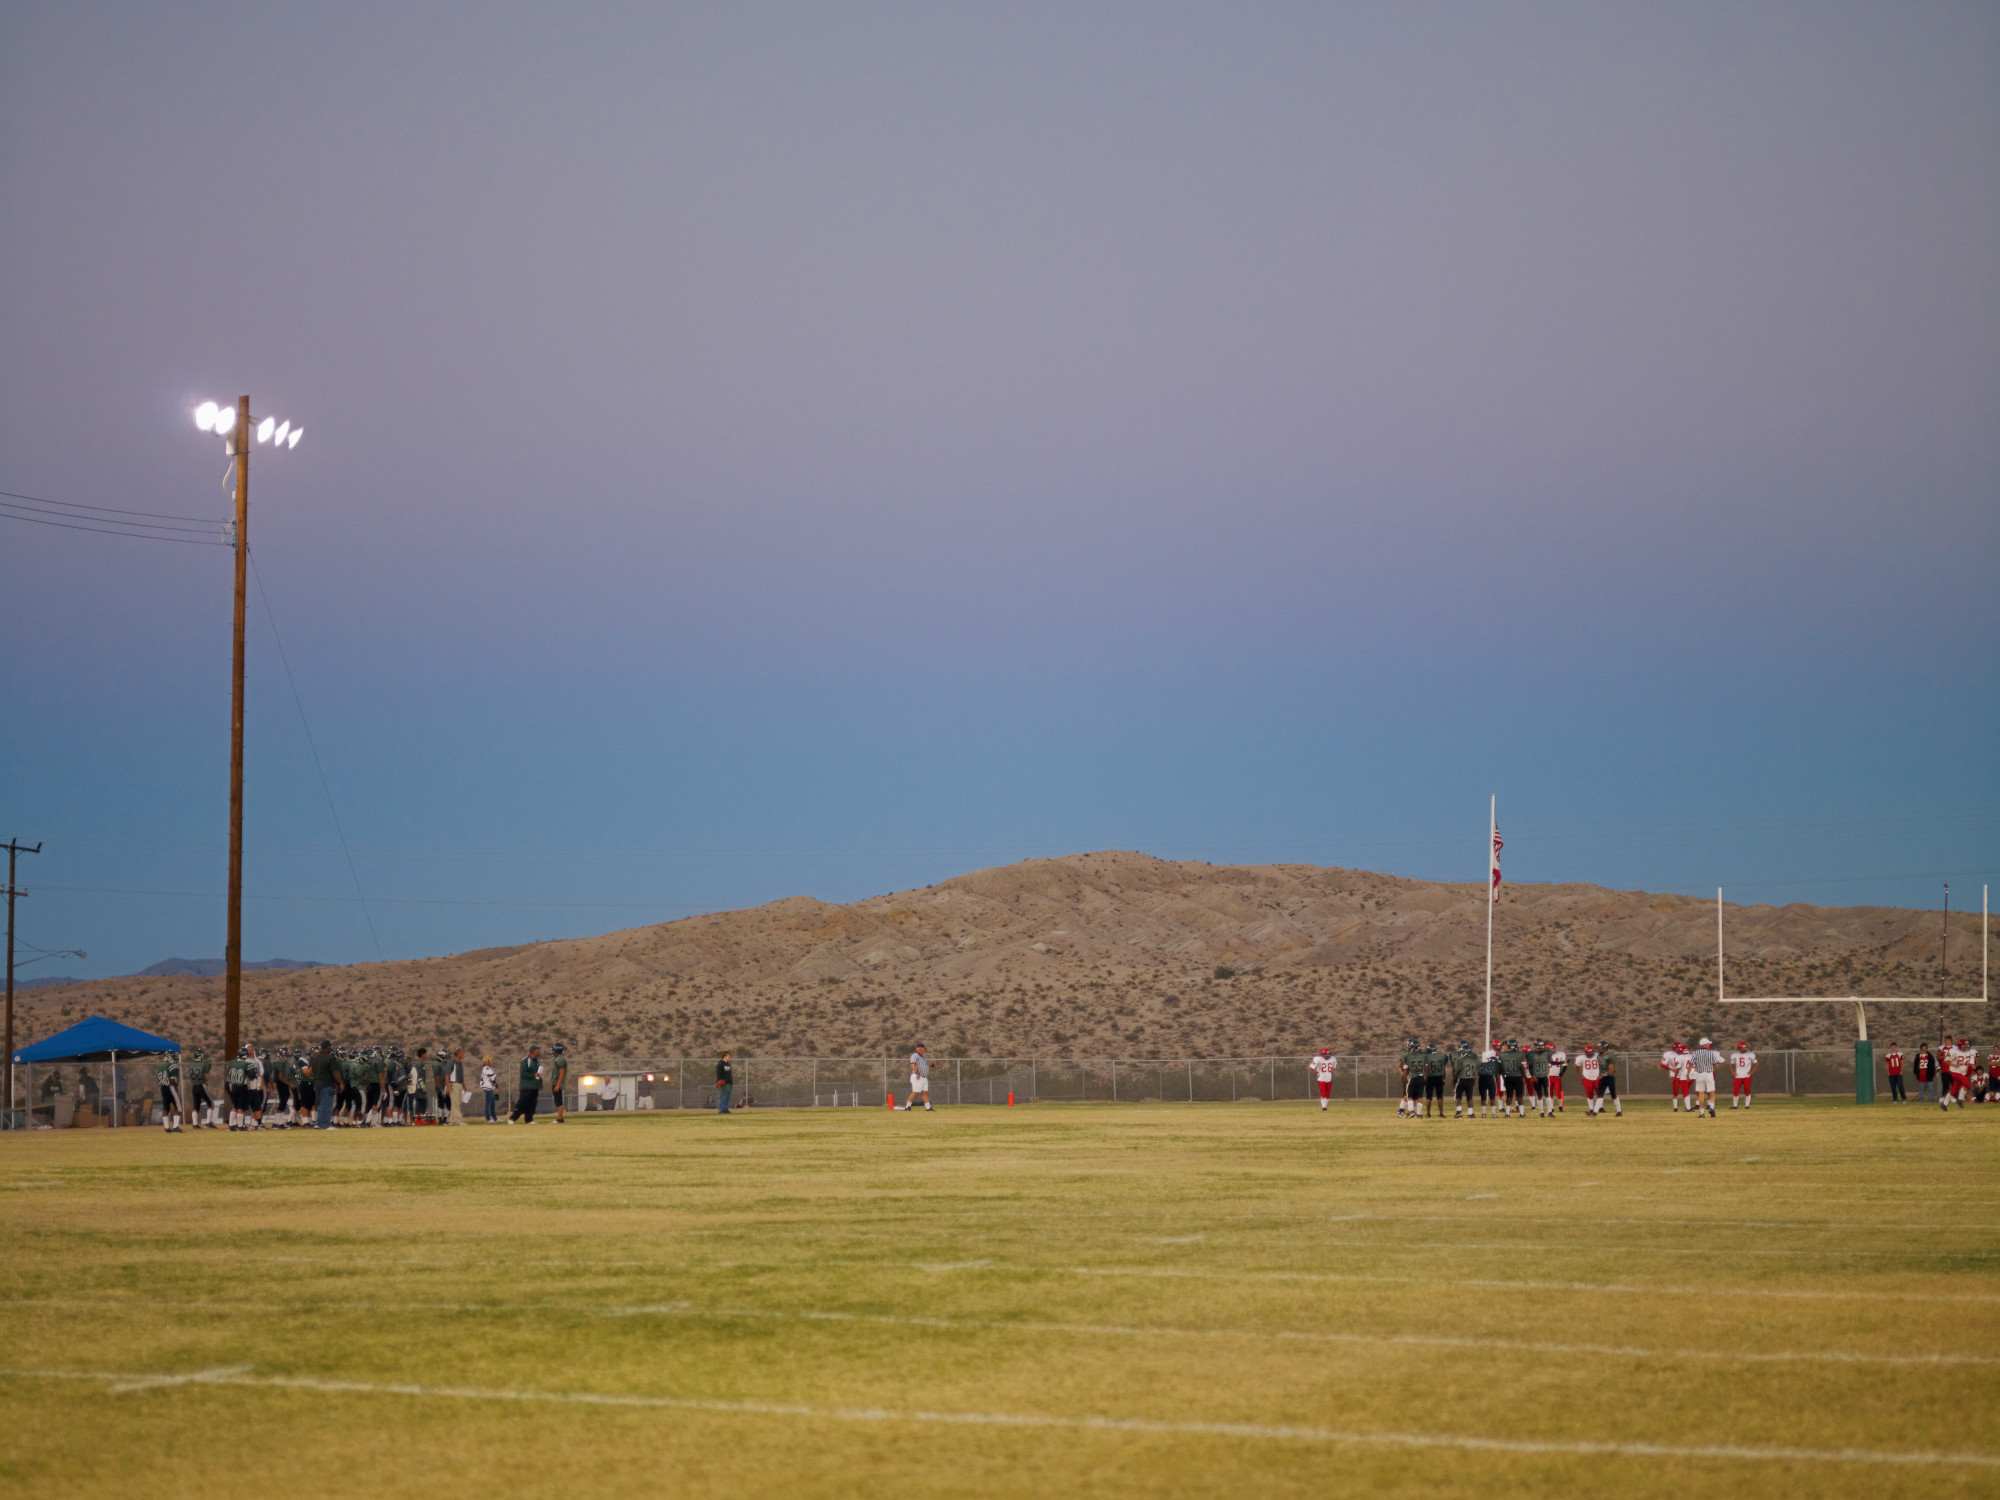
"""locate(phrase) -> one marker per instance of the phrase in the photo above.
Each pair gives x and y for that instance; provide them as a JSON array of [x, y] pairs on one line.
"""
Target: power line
[[208, 528], [110, 509], [143, 536], [102, 890]]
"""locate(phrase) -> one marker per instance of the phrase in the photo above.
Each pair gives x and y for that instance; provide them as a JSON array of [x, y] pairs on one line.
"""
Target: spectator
[[725, 1083], [325, 1073], [456, 1089], [607, 1094], [1925, 1067], [489, 1083]]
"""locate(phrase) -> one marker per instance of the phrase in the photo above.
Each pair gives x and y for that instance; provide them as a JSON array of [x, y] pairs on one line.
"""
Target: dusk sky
[[756, 450]]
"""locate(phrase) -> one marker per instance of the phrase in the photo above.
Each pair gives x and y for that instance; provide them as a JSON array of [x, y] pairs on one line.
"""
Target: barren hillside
[[1107, 954]]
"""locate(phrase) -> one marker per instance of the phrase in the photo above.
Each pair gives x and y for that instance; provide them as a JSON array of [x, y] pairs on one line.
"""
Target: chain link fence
[[869, 1082], [78, 1094]]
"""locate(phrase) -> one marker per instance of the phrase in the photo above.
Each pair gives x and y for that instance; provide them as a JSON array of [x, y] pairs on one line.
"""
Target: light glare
[[265, 428], [204, 416], [297, 433], [225, 420], [283, 428]]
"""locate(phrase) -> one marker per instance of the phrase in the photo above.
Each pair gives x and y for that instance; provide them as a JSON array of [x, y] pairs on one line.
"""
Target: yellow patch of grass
[[1149, 1300]]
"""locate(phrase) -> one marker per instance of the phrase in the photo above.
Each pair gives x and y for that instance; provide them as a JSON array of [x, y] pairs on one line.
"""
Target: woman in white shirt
[[490, 1082]]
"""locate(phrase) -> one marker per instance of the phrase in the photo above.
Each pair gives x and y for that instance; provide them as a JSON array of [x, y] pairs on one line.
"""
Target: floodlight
[[278, 437], [225, 420], [293, 440], [204, 416], [265, 428]]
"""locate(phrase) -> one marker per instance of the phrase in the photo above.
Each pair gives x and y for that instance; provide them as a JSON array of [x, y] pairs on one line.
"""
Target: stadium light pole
[[236, 427]]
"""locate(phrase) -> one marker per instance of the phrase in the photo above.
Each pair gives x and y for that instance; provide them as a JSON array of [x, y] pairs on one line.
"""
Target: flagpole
[[1492, 863]]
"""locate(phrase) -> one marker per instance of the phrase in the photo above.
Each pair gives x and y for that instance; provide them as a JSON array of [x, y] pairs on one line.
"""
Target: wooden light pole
[[238, 439]]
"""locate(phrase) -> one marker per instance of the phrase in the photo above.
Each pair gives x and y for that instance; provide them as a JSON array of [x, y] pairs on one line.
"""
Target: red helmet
[[1326, 1052]]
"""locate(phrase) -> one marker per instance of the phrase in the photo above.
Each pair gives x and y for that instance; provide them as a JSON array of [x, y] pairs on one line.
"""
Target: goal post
[[1864, 1050]]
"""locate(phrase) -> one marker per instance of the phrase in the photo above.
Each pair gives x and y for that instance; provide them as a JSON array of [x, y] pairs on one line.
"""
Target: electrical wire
[[142, 536], [103, 890], [299, 703], [113, 510], [43, 509]]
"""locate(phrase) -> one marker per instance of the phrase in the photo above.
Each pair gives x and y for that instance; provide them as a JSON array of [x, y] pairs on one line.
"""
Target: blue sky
[[756, 450]]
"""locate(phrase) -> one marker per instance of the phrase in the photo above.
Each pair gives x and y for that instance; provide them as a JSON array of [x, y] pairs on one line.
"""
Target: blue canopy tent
[[93, 1039]]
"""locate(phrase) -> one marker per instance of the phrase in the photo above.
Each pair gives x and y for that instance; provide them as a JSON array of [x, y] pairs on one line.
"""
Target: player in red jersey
[[1743, 1063], [1589, 1069], [1558, 1065], [1322, 1069], [1957, 1074], [1675, 1063]]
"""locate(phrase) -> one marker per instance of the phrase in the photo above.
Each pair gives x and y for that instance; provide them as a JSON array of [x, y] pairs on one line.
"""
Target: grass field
[[1106, 1300]]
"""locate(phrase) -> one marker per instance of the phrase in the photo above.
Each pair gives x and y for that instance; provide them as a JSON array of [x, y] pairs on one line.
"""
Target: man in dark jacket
[[529, 1091], [725, 1084], [325, 1075]]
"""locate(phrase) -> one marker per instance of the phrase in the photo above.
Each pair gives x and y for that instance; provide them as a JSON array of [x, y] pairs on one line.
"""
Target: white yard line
[[1141, 1330], [1871, 1294], [694, 1312], [1248, 1431]]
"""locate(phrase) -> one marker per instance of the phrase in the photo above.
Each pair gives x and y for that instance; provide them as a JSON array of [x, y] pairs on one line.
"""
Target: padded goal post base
[[1864, 1071]]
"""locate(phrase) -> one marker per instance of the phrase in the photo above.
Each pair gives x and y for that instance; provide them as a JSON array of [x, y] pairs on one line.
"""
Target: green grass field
[[1107, 1300]]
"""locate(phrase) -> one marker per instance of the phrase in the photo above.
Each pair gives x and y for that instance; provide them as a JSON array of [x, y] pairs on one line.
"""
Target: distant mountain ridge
[[1115, 954], [208, 968]]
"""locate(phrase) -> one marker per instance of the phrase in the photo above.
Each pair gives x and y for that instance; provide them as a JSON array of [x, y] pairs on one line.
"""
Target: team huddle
[[1516, 1080], [1509, 1080], [274, 1091]]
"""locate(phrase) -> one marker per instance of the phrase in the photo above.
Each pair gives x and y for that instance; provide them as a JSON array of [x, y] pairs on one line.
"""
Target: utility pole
[[15, 848], [232, 952]]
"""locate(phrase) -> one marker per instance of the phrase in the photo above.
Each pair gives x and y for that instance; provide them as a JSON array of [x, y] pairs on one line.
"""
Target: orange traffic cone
[[889, 1100], [1010, 1098]]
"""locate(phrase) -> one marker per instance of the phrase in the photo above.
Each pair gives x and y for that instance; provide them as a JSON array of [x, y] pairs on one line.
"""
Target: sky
[[756, 450]]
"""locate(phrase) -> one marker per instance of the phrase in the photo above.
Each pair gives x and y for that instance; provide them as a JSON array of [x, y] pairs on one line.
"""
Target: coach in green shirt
[[529, 1092]]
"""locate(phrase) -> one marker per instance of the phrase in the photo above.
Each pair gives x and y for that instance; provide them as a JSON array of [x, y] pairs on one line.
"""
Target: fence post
[[1274, 1080], [1114, 1080], [958, 1082], [1031, 1078], [1190, 1073]]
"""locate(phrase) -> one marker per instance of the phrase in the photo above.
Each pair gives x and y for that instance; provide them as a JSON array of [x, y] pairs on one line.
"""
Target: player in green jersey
[[1436, 1062], [1464, 1075], [1412, 1065], [166, 1073], [558, 1076], [1538, 1076], [1489, 1082], [1513, 1066], [233, 1072]]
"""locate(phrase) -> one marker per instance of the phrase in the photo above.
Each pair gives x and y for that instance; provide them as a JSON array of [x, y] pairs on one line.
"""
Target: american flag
[[1497, 846]]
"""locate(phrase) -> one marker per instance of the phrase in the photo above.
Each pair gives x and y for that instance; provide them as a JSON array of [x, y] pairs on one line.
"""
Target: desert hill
[[1108, 954]]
